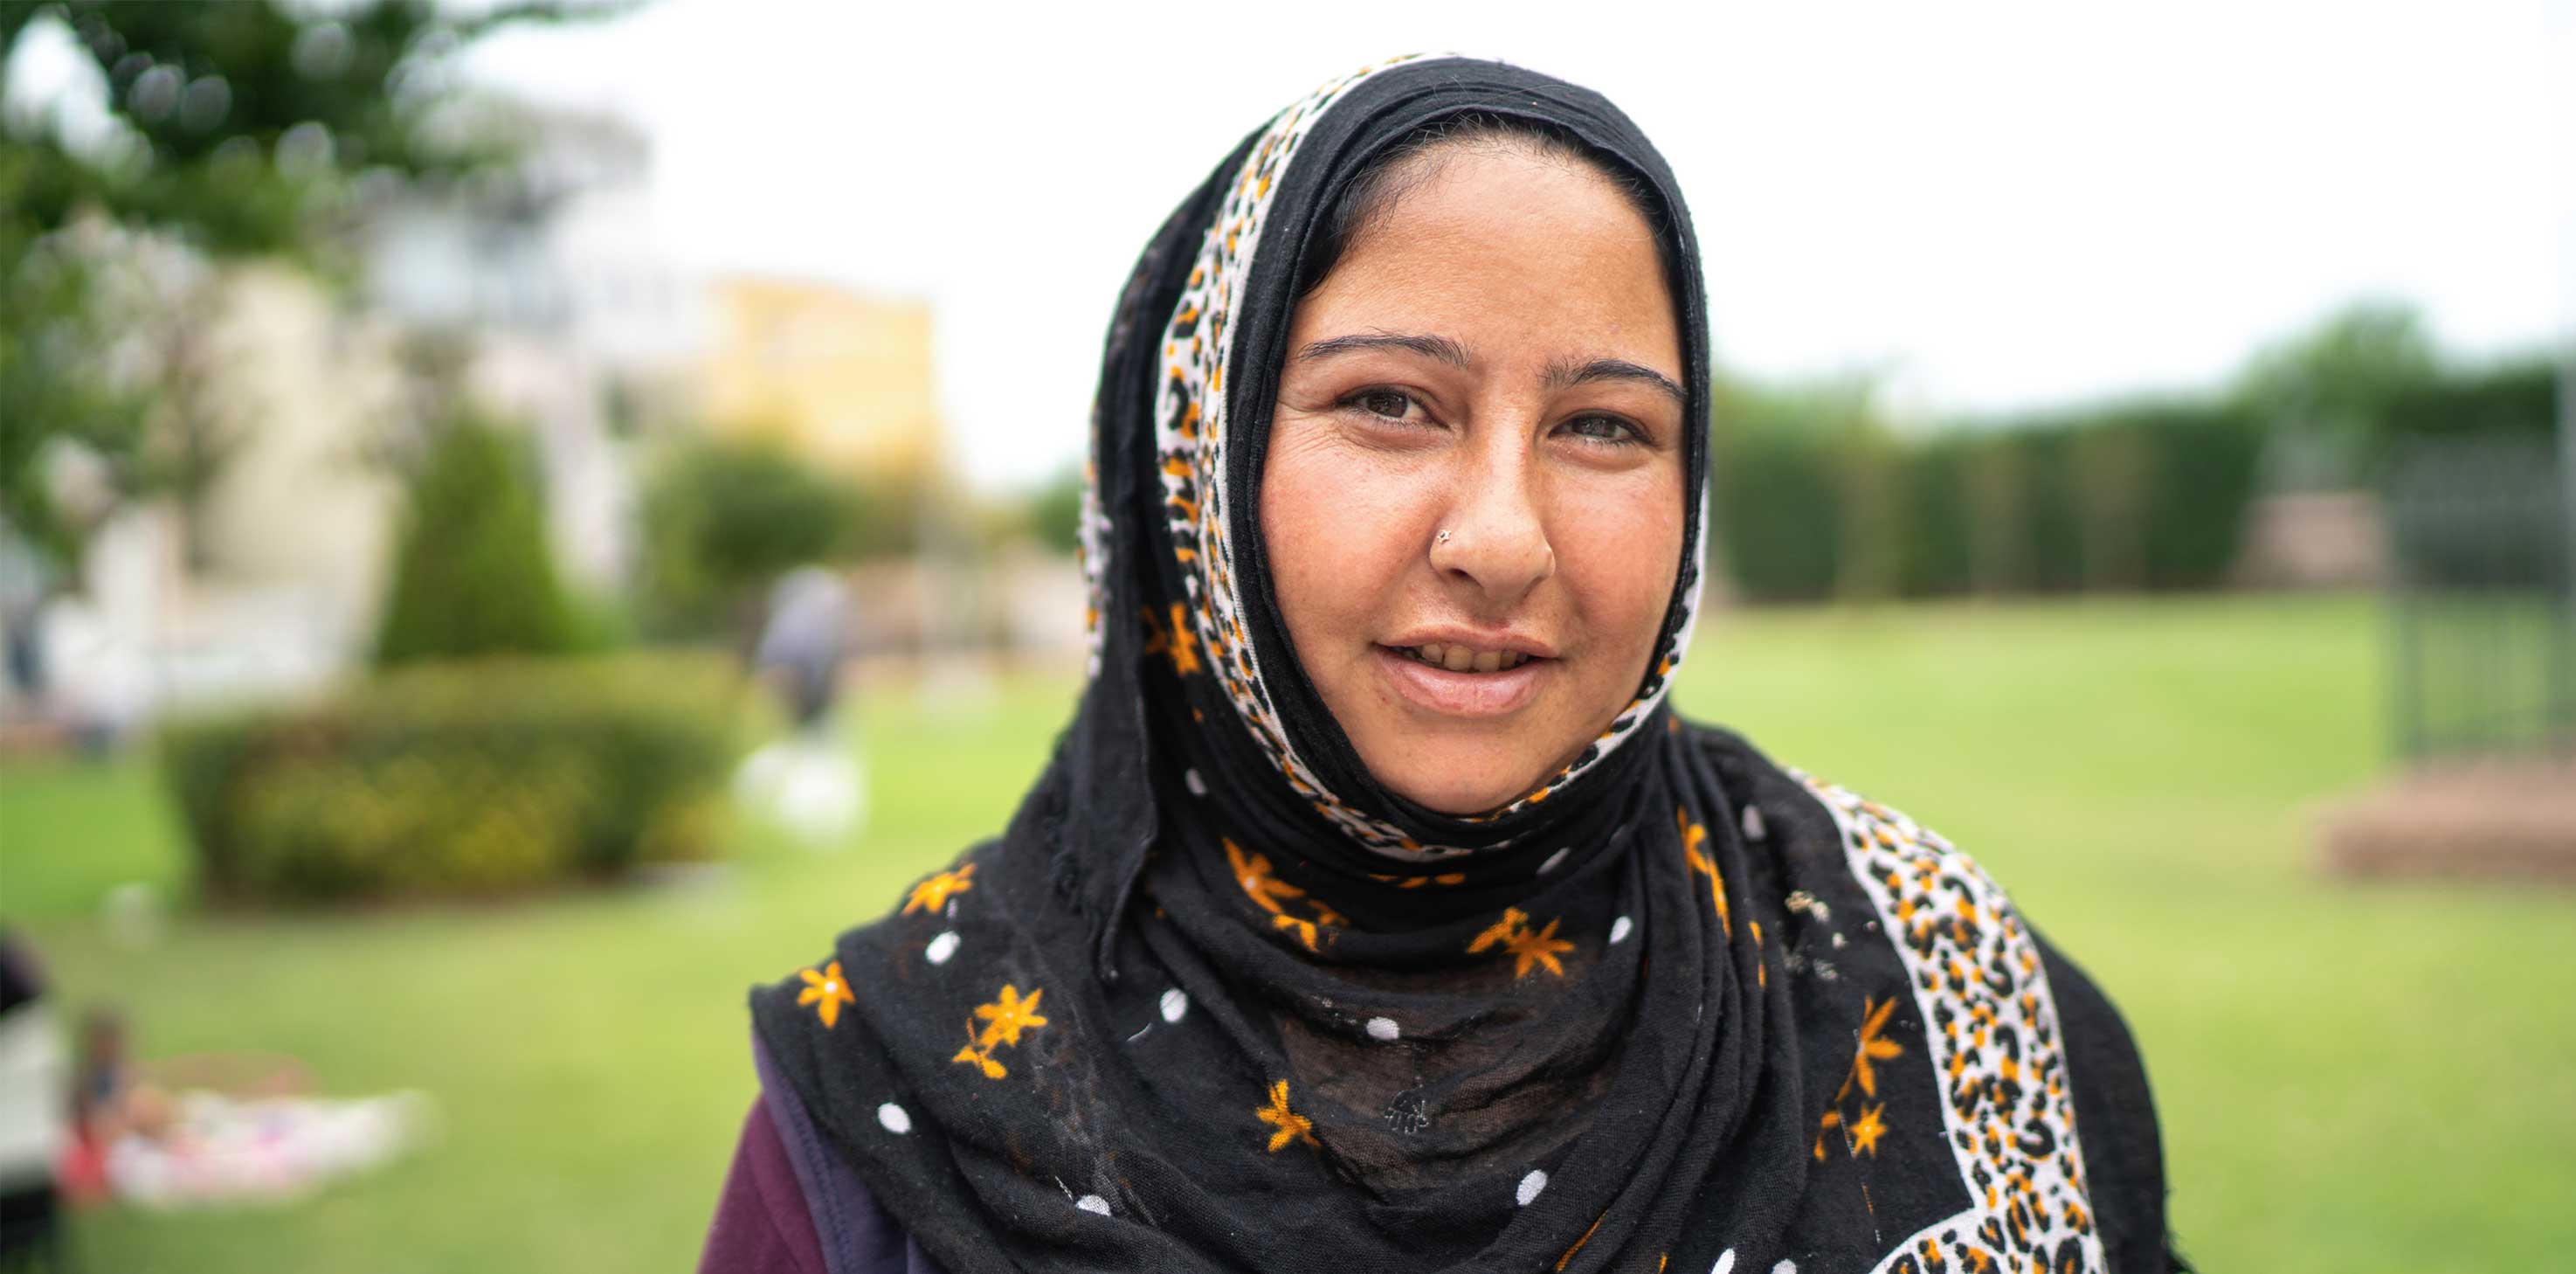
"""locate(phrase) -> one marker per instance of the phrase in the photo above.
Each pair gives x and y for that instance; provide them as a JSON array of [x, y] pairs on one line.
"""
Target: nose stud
[[1441, 538]]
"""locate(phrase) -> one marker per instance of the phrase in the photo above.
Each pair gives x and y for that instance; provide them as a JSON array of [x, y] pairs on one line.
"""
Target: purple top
[[792, 1206]]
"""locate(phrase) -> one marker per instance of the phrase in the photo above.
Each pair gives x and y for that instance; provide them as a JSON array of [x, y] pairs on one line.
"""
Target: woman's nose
[[1494, 540]]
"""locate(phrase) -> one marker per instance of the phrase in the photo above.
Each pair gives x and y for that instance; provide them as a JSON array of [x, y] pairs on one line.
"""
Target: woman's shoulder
[[1933, 898], [1969, 953], [763, 1221], [917, 907], [876, 979], [1805, 823], [790, 1205]]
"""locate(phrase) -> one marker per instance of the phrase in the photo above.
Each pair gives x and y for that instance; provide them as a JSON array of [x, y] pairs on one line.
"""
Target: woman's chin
[[1458, 786]]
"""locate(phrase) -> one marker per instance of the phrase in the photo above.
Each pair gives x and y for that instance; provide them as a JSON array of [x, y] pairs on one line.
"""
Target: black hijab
[[1218, 1000]]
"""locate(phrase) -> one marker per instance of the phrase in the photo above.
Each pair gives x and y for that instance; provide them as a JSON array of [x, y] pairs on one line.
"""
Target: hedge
[[2516, 397], [464, 778], [1777, 516], [2148, 495]]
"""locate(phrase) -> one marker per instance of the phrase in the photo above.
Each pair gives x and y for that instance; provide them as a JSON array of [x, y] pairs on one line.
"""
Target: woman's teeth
[[1465, 658]]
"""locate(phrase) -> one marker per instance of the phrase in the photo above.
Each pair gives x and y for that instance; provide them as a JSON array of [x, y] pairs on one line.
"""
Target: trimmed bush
[[461, 779], [474, 574]]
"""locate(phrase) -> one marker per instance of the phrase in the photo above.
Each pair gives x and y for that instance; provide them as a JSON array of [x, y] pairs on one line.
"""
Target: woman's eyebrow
[[1568, 374], [1439, 347]]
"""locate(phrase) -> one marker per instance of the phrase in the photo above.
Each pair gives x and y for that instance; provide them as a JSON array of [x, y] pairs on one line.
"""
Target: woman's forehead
[[1501, 255]]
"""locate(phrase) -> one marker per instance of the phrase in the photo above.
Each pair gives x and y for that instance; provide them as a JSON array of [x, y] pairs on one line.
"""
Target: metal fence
[[2483, 599]]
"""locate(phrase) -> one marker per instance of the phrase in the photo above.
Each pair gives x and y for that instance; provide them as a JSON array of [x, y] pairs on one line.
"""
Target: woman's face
[[1473, 496]]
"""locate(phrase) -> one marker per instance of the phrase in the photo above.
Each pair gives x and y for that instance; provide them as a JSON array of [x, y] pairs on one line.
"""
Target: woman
[[1376, 911]]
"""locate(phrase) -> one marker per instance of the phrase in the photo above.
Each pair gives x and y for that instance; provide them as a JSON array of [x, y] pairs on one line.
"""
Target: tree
[[233, 124], [60, 397], [724, 518], [473, 574], [2330, 391], [230, 130], [1055, 511]]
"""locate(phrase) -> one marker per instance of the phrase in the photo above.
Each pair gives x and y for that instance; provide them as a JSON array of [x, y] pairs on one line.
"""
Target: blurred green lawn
[[2350, 1077]]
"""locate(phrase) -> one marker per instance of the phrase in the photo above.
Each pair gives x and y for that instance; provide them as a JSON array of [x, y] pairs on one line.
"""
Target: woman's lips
[[1462, 694]]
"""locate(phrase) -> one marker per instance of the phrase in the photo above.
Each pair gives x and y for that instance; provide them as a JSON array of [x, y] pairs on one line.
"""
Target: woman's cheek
[[1332, 523], [1618, 545]]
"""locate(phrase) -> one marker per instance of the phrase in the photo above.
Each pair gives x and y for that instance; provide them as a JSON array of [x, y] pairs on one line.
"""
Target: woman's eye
[[1602, 429], [1392, 404]]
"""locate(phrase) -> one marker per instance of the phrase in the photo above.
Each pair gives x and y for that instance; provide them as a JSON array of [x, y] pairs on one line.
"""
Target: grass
[[2349, 1078], [88, 827]]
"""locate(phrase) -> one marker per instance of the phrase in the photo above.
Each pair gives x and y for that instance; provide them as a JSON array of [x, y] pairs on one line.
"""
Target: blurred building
[[540, 294], [562, 248], [547, 282], [570, 314], [266, 580], [844, 379]]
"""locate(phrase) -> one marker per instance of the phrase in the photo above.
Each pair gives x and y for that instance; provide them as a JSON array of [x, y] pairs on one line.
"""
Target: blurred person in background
[[804, 641], [102, 1104], [809, 782], [1377, 909], [217, 1128]]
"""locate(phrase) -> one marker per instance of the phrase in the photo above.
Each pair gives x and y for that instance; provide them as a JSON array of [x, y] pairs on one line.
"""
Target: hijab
[[1217, 999]]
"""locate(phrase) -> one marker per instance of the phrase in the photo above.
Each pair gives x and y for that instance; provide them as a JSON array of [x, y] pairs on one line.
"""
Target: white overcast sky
[[1998, 204]]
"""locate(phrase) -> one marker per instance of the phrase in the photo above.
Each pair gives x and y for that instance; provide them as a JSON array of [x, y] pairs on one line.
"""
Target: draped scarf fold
[[1218, 1000]]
